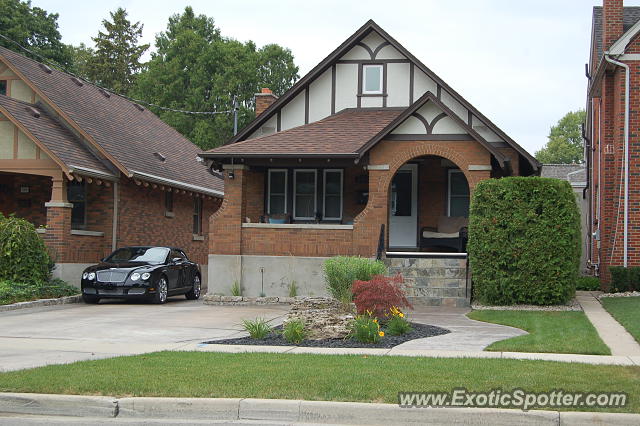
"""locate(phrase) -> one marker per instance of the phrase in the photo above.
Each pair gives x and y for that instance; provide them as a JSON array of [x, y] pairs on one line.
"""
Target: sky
[[521, 63]]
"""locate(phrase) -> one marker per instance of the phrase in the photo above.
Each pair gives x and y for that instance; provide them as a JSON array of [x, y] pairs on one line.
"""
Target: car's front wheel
[[196, 287], [162, 289], [87, 298]]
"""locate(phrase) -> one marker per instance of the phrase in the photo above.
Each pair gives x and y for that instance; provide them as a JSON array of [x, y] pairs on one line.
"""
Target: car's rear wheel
[[196, 287], [162, 290], [87, 298]]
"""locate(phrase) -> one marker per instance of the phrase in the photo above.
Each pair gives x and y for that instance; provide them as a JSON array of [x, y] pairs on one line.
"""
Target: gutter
[[92, 172], [627, 78], [165, 181]]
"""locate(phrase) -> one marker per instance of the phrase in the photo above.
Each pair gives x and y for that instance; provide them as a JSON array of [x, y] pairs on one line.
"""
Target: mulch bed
[[275, 339]]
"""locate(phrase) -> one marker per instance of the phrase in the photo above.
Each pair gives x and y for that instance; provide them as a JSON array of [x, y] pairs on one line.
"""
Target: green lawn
[[626, 310], [556, 332], [314, 377]]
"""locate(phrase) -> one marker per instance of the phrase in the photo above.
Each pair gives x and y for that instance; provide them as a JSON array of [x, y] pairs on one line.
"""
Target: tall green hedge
[[524, 241], [23, 255]]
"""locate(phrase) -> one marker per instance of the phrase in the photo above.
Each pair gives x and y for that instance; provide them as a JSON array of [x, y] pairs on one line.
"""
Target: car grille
[[111, 276]]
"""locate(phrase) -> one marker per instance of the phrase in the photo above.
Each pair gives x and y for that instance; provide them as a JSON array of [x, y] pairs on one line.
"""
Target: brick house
[[96, 171], [369, 149], [612, 135]]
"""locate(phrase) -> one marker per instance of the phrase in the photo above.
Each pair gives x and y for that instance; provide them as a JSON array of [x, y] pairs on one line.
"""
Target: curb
[[41, 302], [58, 405], [319, 412]]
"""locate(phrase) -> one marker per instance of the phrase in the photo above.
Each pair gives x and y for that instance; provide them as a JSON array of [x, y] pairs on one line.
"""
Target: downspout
[[114, 229], [627, 78]]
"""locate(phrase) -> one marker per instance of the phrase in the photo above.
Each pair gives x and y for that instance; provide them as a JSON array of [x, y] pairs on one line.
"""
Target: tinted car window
[[139, 254], [178, 254]]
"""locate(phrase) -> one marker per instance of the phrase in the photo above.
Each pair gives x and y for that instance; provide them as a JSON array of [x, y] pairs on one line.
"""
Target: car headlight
[[146, 276], [91, 276], [85, 275], [135, 276]]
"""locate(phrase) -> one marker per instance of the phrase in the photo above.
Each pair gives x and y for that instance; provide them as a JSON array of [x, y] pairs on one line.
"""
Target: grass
[[315, 377], [626, 310], [565, 332], [11, 292]]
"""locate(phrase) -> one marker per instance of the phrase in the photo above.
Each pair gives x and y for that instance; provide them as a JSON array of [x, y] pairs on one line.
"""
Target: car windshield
[[138, 254]]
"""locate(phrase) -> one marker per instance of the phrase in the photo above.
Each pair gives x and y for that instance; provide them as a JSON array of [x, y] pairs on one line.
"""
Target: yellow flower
[[401, 315], [375, 320], [381, 333]]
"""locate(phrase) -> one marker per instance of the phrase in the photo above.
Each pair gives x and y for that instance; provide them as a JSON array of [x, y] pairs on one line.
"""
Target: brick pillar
[[58, 220], [264, 100], [366, 232], [225, 226]]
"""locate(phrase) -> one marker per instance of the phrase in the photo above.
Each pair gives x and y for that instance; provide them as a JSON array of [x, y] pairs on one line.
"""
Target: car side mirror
[[176, 259]]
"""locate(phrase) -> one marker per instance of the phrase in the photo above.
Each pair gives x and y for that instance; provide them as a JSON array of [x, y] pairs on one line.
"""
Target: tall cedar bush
[[524, 241], [340, 272], [23, 255]]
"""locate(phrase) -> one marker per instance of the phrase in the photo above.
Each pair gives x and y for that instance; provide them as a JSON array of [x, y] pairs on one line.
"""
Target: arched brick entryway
[[386, 159]]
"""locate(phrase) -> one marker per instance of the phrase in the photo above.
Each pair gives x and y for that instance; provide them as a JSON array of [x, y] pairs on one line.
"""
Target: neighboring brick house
[[576, 175], [612, 136], [370, 139], [96, 171]]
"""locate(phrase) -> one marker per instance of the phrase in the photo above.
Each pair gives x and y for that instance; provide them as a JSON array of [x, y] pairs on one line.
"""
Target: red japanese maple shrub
[[379, 295]]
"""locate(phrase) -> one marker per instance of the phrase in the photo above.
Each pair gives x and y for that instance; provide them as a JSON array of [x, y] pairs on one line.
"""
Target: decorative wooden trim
[[368, 49], [359, 91], [379, 48], [373, 62], [15, 142], [66, 118], [306, 105], [384, 84], [333, 89], [36, 141], [429, 137], [411, 83], [279, 121]]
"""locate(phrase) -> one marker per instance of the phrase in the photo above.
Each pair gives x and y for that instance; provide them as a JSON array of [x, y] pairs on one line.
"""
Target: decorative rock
[[231, 299], [325, 318], [266, 300]]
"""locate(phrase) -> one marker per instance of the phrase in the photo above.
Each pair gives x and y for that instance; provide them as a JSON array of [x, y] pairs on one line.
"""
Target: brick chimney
[[612, 11], [264, 100]]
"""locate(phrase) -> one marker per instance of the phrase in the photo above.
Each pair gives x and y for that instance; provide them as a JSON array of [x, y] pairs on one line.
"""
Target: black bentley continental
[[145, 273]]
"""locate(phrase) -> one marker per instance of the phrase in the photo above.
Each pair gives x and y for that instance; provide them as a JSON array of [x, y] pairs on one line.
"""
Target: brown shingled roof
[[128, 135], [341, 134], [60, 141]]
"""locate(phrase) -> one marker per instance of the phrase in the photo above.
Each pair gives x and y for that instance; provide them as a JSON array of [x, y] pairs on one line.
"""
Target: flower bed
[[275, 338]]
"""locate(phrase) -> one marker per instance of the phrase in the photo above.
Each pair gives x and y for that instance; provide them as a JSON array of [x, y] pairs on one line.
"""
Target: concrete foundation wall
[[271, 274], [70, 272]]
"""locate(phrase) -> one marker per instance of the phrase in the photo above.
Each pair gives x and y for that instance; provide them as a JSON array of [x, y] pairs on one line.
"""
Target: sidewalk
[[611, 332]]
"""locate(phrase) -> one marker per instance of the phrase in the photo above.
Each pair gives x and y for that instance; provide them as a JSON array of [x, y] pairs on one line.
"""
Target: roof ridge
[[54, 68]]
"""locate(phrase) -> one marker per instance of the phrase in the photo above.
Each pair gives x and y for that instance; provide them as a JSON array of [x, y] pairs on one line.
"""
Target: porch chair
[[451, 232]]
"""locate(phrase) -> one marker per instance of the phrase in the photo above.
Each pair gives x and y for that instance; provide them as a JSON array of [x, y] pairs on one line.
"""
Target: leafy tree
[[117, 57], [195, 68], [565, 145], [81, 56], [34, 28]]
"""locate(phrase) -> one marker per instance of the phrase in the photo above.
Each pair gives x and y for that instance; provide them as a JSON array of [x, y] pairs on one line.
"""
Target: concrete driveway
[[67, 333]]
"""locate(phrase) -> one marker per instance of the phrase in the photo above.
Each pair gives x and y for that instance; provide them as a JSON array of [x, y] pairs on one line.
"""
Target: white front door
[[403, 208]]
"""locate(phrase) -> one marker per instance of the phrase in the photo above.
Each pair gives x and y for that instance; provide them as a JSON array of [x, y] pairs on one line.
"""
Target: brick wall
[[142, 220], [30, 205], [296, 242], [244, 197], [607, 159]]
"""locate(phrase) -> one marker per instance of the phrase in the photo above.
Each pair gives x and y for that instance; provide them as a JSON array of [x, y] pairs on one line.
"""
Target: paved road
[[66, 333]]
